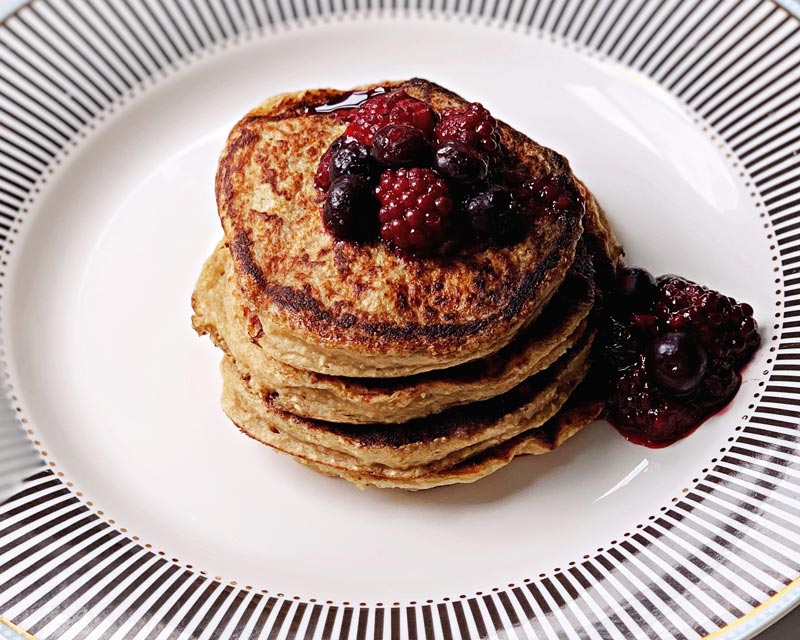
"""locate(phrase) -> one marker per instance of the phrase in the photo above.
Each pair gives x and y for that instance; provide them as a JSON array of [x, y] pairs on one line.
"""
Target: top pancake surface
[[364, 301]]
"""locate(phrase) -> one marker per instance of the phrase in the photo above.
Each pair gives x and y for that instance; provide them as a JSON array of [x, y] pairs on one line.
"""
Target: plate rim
[[760, 617]]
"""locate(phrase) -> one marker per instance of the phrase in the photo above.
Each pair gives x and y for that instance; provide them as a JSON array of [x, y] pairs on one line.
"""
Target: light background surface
[[786, 629]]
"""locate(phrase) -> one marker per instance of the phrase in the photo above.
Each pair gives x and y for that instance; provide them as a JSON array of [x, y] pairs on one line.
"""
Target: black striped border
[[729, 544]]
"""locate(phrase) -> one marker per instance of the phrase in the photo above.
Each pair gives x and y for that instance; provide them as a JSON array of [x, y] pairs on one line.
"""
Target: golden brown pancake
[[220, 312], [578, 411], [340, 308], [438, 441], [563, 426]]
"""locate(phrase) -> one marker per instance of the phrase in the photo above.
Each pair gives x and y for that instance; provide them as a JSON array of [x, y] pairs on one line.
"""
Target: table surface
[[786, 629]]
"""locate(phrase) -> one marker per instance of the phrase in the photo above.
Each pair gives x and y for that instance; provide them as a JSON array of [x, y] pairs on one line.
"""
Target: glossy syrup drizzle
[[350, 101]]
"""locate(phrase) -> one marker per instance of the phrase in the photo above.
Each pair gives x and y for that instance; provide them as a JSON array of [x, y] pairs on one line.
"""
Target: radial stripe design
[[723, 548]]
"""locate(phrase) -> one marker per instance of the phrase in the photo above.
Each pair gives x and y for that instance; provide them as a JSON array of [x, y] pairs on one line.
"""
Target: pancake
[[439, 441], [563, 426], [221, 313], [599, 238], [578, 411], [352, 310]]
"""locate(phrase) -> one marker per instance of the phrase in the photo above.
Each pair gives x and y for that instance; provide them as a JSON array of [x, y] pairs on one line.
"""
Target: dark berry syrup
[[672, 352], [349, 101]]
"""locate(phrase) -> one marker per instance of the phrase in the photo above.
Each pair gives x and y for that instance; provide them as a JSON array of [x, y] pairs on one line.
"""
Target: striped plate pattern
[[726, 546]]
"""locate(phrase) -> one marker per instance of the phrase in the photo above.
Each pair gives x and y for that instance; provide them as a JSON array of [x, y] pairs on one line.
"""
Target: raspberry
[[473, 126], [396, 107], [723, 326], [648, 414], [415, 210]]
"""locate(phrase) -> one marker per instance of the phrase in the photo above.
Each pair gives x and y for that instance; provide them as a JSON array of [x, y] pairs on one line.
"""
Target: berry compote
[[672, 351]]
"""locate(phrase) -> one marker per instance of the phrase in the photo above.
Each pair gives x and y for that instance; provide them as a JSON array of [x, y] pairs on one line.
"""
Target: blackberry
[[646, 413], [553, 194]]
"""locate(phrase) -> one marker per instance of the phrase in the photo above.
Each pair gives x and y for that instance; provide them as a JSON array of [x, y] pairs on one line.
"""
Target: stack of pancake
[[385, 370]]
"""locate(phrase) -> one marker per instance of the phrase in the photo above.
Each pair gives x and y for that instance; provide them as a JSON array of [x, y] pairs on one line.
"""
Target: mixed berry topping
[[649, 414], [673, 350], [437, 180], [415, 210]]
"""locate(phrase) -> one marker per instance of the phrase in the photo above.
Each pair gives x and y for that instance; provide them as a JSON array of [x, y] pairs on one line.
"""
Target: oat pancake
[[440, 440], [340, 308], [220, 312], [242, 407], [564, 425]]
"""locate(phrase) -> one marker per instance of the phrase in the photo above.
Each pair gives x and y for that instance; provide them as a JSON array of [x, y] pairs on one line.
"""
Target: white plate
[[155, 516]]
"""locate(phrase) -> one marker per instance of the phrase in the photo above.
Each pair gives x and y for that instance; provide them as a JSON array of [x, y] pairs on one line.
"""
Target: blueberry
[[350, 209], [678, 361], [400, 145], [636, 290], [351, 158], [459, 162], [494, 213]]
